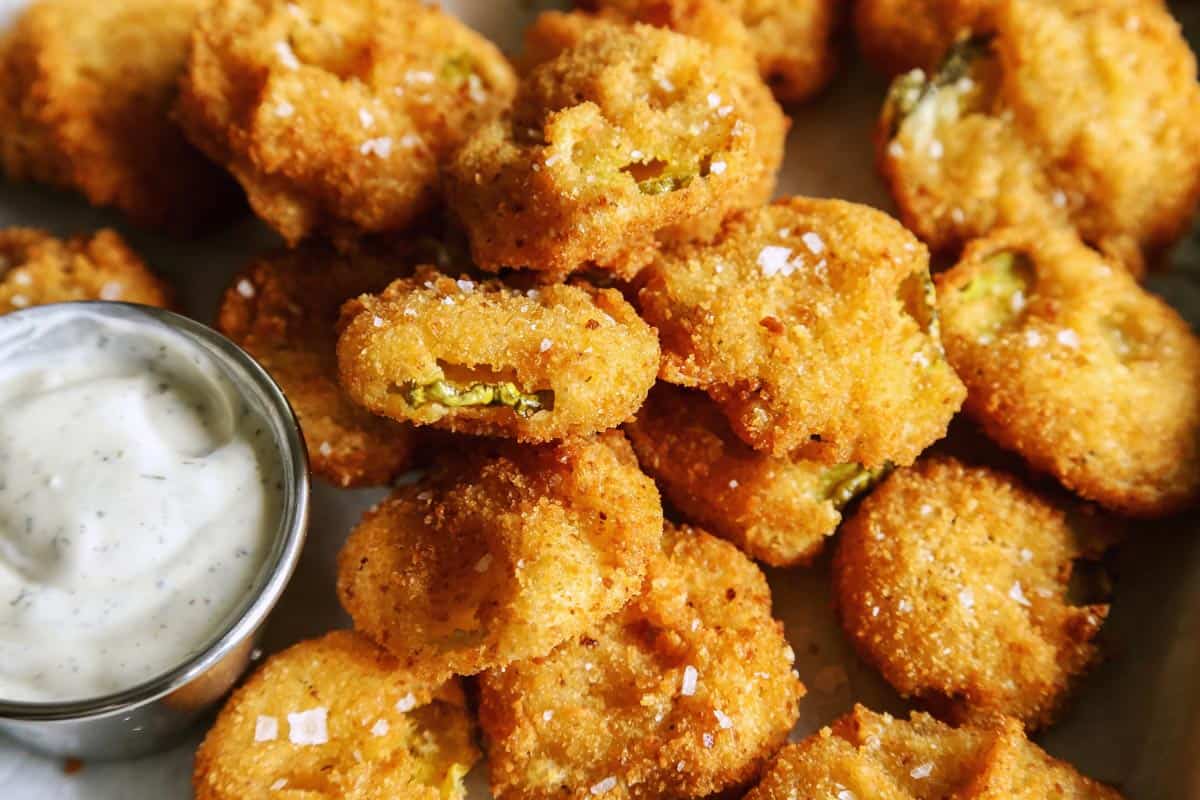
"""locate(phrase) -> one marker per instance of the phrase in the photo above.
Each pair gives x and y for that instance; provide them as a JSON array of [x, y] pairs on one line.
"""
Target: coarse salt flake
[[547, 715], [845, 794], [286, 55], [266, 729], [717, 167], [723, 720], [606, 785], [714, 99], [904, 606], [1017, 594], [366, 117], [279, 784], [465, 285], [690, 676], [377, 321], [1026, 554], [967, 598], [813, 241], [382, 147], [406, 703], [284, 109], [308, 727], [325, 449], [774, 259], [708, 740], [1033, 338], [733, 484], [1067, 338], [545, 345], [922, 771], [245, 288], [380, 728]]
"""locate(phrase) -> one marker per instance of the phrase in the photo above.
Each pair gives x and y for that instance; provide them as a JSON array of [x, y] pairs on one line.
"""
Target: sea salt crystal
[[266, 729], [325, 449], [714, 99], [967, 598], [380, 728], [717, 168], [366, 117], [545, 345], [308, 727], [723, 720], [1017, 594], [406, 703], [279, 784], [1033, 338], [922, 771], [381, 147], [774, 259], [284, 109], [1068, 338], [286, 55], [547, 715], [606, 785], [690, 677], [814, 243], [708, 740], [245, 288]]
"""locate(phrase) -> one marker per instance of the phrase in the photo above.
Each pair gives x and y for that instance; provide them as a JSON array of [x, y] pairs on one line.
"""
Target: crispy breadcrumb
[[869, 756], [484, 358], [1070, 363], [501, 554], [778, 509], [900, 35], [336, 115], [953, 580], [686, 693], [811, 323], [622, 135], [337, 718], [85, 93], [283, 309], [1078, 112], [36, 269]]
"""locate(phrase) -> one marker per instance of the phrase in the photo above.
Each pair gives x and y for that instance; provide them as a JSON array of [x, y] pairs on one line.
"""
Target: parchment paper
[[1132, 722]]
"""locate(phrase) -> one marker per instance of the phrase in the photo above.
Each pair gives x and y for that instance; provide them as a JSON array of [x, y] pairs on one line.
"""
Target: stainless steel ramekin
[[155, 714]]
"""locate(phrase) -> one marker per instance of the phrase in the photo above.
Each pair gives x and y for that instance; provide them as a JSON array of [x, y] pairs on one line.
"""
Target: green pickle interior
[[965, 59], [478, 395], [996, 296], [842, 483]]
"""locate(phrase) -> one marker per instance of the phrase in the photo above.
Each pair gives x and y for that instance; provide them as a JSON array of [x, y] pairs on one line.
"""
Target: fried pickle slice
[[484, 358], [85, 94], [502, 553], [812, 324], [283, 309], [1006, 131], [901, 35], [620, 135], [777, 509], [790, 40], [336, 115], [685, 693], [1074, 366], [953, 582], [337, 718], [37, 268], [868, 755]]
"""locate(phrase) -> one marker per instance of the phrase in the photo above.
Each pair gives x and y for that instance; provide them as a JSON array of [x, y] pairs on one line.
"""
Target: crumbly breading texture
[[620, 136], [336, 116], [899, 35], [502, 554], [1073, 365], [869, 755], [85, 94], [37, 268], [283, 309], [811, 323], [685, 693], [337, 718], [778, 509], [1007, 133], [953, 580], [484, 358], [790, 40]]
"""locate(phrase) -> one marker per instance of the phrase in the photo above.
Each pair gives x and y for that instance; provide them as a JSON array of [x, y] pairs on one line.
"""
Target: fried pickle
[[622, 135], [953, 581], [85, 94], [1076, 112], [502, 553], [812, 324], [1070, 363], [778, 509], [337, 718], [336, 116], [283, 309], [685, 693], [37, 268], [900, 35], [487, 359], [790, 40], [867, 755]]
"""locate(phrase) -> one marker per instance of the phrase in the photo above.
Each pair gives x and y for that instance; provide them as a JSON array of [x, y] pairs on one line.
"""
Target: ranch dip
[[139, 497]]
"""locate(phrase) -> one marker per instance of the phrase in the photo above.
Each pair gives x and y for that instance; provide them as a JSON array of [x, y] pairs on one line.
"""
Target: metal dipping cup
[[155, 714]]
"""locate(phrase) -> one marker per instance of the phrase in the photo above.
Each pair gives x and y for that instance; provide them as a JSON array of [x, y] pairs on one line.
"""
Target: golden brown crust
[[869, 755], [899, 35], [580, 358], [801, 321], [37, 268], [1085, 374], [85, 94], [1011, 137], [620, 135], [283, 309], [685, 693], [778, 509], [952, 581], [501, 554], [336, 116], [336, 718]]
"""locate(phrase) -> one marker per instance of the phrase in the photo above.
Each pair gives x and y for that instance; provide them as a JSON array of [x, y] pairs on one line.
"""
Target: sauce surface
[[139, 498]]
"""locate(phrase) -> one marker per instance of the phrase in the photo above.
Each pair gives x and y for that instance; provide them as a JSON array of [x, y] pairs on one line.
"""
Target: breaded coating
[[501, 554], [621, 136], [488, 359], [336, 115], [36, 269], [1075, 112], [812, 324], [85, 93], [685, 693], [790, 40], [867, 755], [900, 35], [952, 581], [283, 309], [778, 509], [1073, 365], [337, 718]]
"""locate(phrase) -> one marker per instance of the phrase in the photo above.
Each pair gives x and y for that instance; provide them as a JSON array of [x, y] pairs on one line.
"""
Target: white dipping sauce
[[139, 496]]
